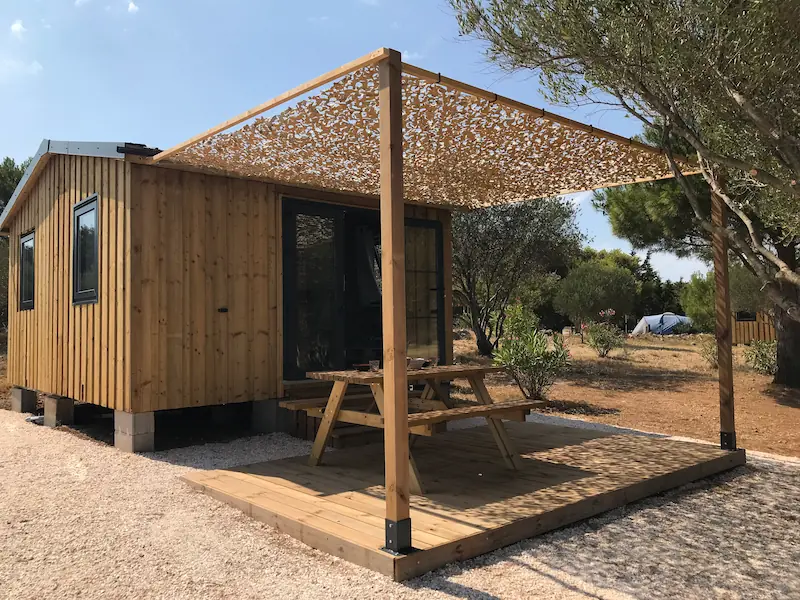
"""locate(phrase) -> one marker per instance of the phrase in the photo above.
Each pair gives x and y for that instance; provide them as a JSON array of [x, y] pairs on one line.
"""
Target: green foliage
[[708, 350], [697, 299], [10, 175], [594, 286], [604, 337], [501, 252], [656, 216], [528, 355], [710, 78], [746, 292], [682, 328], [762, 357]]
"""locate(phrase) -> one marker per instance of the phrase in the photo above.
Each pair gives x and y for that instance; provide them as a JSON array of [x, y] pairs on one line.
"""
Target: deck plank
[[473, 502]]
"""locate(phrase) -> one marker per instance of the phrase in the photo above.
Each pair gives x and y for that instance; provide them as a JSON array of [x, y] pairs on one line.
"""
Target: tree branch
[[784, 271], [686, 133]]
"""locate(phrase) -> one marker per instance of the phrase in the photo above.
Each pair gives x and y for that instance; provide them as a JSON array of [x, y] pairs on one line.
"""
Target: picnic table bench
[[425, 412]]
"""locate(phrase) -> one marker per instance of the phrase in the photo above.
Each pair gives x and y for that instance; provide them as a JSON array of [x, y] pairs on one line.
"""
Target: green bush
[[681, 328], [708, 350], [527, 353], [604, 337], [762, 357]]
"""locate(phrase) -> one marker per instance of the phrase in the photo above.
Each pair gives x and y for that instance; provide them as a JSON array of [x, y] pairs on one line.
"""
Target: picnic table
[[424, 413]]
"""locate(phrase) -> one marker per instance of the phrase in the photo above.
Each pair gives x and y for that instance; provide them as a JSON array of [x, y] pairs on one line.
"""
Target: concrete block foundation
[[58, 410], [134, 432], [23, 400], [268, 417]]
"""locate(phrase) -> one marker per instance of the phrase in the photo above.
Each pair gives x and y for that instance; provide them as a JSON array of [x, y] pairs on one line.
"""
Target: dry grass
[[664, 385]]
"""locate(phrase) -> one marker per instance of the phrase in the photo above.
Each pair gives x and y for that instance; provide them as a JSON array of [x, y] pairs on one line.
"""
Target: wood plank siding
[[205, 294], [745, 332], [190, 286], [79, 351]]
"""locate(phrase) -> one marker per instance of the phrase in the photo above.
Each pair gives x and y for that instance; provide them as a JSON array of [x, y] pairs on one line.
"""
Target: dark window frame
[[23, 303], [81, 208]]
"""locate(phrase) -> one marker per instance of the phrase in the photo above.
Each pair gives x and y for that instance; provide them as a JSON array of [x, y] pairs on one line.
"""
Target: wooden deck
[[473, 504]]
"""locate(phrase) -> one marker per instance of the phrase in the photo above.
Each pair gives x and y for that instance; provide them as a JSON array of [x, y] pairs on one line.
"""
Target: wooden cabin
[[311, 240], [145, 287]]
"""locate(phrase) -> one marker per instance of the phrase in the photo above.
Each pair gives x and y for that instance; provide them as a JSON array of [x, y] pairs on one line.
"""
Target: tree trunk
[[787, 331], [485, 347]]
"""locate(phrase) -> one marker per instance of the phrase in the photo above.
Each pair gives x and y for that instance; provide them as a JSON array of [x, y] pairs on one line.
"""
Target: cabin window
[[84, 251], [746, 315], [26, 276]]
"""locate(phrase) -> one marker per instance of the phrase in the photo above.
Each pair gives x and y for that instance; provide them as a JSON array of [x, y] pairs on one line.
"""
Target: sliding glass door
[[332, 287], [313, 290]]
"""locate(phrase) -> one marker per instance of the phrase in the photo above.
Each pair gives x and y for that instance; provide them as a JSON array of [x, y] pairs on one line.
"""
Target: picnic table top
[[442, 372]]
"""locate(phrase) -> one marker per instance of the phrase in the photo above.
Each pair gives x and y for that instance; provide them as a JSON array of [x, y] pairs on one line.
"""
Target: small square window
[[85, 251], [26, 274]]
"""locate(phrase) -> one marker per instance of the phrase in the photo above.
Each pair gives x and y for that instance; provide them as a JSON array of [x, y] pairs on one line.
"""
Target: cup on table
[[374, 366]]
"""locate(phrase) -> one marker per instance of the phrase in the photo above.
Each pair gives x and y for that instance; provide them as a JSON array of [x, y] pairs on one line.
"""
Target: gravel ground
[[78, 519]]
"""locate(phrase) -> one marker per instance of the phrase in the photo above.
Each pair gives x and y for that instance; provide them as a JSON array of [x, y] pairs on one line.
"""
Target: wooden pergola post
[[722, 305], [395, 377]]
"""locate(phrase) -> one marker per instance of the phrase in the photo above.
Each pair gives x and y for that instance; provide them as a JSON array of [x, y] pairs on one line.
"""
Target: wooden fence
[[745, 332]]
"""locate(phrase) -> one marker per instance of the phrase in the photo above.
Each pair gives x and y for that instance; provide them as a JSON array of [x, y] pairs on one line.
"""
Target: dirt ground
[[665, 386]]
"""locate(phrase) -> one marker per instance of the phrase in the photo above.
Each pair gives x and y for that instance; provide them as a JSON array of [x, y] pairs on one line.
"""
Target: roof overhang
[[463, 147]]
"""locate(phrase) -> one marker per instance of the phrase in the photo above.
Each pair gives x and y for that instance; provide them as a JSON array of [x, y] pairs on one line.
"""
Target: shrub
[[527, 353], [708, 350], [604, 337], [762, 357], [681, 328]]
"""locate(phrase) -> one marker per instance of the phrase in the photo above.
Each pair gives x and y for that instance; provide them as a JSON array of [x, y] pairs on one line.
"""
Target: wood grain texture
[[568, 475], [722, 309], [439, 373], [58, 348], [205, 327], [395, 379], [173, 247]]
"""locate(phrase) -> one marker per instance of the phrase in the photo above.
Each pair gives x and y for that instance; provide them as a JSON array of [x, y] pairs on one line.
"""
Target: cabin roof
[[463, 147], [50, 148]]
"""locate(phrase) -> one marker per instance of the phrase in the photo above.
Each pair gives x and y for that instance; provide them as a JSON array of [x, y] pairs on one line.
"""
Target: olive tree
[[716, 76], [499, 251]]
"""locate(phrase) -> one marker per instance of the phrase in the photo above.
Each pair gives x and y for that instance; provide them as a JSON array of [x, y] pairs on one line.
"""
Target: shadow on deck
[[473, 503]]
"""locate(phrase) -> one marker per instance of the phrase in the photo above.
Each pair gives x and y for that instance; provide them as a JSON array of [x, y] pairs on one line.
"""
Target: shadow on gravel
[[732, 533]]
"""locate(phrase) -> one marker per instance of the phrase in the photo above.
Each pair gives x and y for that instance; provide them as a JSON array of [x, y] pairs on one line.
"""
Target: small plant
[[607, 314], [527, 353], [708, 350], [681, 328], [762, 357], [604, 337]]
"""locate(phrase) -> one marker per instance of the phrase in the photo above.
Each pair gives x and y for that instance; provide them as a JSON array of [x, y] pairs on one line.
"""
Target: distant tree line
[[11, 173]]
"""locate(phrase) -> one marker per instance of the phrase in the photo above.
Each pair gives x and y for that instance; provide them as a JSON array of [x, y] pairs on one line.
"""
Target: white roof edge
[[49, 147]]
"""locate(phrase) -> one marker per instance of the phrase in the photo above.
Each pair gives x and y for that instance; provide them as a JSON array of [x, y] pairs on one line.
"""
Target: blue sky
[[159, 71]]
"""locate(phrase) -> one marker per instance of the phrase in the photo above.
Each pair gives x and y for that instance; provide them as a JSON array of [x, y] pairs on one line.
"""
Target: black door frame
[[295, 206], [291, 209]]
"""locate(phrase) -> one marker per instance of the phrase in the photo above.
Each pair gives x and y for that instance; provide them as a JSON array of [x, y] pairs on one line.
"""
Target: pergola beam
[[722, 307], [365, 61], [393, 292]]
